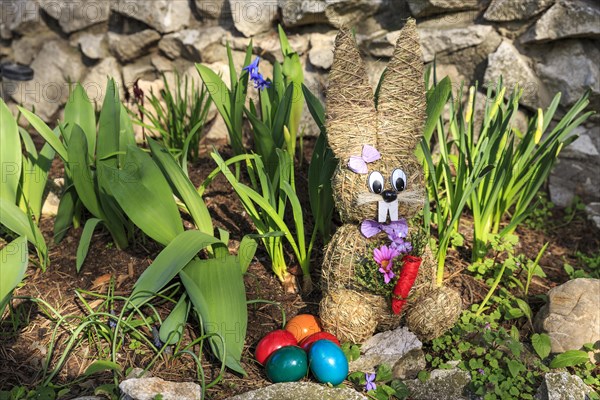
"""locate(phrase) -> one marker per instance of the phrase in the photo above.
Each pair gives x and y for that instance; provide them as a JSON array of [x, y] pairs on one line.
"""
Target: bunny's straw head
[[358, 129]]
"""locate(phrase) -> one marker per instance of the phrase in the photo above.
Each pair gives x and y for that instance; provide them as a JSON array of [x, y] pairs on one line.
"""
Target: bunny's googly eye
[[398, 180], [376, 182]]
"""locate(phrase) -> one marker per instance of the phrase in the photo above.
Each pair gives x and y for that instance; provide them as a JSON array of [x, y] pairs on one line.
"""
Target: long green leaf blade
[[13, 265], [84, 241]]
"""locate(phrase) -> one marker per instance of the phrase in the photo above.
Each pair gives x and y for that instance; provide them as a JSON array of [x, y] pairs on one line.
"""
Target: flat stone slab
[[300, 391]]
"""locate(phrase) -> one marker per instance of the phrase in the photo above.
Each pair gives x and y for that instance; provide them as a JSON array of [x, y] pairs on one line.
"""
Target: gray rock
[[163, 15], [565, 19], [190, 43], [316, 80], [449, 383], [514, 69], [334, 12], [27, 47], [93, 46], [21, 17], [95, 81], [562, 386], [571, 316], [385, 348], [302, 12], [73, 16], [149, 388], [142, 69], [422, 8], [211, 8], [409, 365], [253, 17], [300, 391], [349, 12], [54, 68], [129, 47], [515, 10], [451, 40], [321, 51], [571, 67], [593, 212]]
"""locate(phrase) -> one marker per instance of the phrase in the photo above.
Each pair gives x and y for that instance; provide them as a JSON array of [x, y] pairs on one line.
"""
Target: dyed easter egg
[[308, 341], [271, 342], [327, 362], [287, 364], [303, 325]]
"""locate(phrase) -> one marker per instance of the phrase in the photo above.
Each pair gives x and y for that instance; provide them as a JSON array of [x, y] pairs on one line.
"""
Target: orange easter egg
[[303, 325]]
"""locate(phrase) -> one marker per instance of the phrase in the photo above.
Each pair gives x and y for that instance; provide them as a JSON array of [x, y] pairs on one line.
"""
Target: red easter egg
[[273, 341], [308, 341]]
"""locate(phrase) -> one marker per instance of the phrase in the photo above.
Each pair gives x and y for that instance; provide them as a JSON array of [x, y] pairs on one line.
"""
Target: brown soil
[[24, 343]]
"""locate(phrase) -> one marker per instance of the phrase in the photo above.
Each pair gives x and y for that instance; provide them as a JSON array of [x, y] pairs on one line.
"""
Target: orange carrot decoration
[[406, 280]]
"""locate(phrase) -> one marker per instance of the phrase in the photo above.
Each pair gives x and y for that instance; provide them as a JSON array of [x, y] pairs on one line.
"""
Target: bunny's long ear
[[401, 106], [351, 115]]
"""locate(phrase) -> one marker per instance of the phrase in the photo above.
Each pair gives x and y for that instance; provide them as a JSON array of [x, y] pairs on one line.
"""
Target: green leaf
[[216, 289], [246, 252], [384, 373], [43, 129], [541, 344], [143, 193], [182, 186], [515, 367], [108, 142], [81, 173], [101, 366], [80, 111], [17, 221], [570, 358], [171, 330], [64, 215], [84, 241], [13, 265], [218, 91], [169, 262], [10, 155]]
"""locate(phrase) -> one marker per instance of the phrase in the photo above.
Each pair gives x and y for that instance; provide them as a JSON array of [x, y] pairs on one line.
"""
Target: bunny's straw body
[[394, 128]]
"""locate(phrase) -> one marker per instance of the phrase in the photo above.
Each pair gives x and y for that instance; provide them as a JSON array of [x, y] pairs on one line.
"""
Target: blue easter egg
[[327, 362]]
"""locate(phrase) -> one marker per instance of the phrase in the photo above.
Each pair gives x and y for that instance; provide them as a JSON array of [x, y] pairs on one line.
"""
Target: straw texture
[[349, 310]]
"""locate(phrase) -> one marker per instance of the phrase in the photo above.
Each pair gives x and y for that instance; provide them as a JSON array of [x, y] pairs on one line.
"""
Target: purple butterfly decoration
[[370, 228], [358, 164]]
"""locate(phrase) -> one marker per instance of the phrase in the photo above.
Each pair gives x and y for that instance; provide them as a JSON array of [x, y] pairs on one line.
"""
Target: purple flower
[[370, 385], [259, 80], [398, 242], [156, 337], [111, 322], [397, 229], [252, 67], [487, 326], [384, 256], [481, 371]]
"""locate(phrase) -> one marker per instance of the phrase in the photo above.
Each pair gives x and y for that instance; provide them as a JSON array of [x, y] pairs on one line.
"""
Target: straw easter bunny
[[378, 182]]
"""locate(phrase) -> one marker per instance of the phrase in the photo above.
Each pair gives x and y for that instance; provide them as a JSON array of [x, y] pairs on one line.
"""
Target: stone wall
[[545, 46]]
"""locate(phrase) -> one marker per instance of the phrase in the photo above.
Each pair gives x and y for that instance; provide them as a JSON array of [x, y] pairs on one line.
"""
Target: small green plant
[[541, 214], [178, 116], [492, 354], [23, 178], [380, 385], [492, 169], [590, 266], [88, 154]]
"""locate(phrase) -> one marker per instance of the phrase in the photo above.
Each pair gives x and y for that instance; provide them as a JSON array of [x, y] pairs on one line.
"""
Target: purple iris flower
[[398, 242], [370, 385]]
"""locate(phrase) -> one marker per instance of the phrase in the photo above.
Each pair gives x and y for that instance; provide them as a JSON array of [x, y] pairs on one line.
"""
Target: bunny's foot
[[433, 313], [347, 315]]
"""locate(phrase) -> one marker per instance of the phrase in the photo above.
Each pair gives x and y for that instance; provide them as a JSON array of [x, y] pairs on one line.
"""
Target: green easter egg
[[287, 364]]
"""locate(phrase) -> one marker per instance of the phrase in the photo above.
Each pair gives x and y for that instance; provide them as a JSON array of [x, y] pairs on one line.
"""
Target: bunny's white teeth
[[386, 208]]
